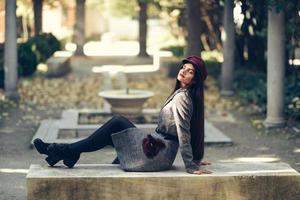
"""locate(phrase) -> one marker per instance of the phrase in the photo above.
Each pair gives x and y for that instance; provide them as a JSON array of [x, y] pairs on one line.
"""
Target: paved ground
[[18, 124]]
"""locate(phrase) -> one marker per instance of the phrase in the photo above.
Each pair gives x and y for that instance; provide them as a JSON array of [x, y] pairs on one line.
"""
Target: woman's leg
[[70, 153], [102, 136]]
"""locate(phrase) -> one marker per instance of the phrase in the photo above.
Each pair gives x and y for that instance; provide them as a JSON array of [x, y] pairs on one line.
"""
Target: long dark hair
[[197, 121]]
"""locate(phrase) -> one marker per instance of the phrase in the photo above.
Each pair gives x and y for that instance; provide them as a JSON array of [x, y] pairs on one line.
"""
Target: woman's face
[[186, 75]]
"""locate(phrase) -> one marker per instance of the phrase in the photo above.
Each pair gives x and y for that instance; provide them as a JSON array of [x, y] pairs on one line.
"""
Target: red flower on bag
[[152, 146]]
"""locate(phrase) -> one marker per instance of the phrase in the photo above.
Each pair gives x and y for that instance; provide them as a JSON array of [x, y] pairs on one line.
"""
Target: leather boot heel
[[70, 162], [52, 160], [62, 152]]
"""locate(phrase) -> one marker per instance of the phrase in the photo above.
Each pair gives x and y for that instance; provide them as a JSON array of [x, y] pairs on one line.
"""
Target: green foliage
[[251, 35], [27, 60], [251, 88], [293, 94], [294, 107], [44, 45], [124, 8], [36, 50], [278, 4], [176, 50], [213, 68], [131, 8]]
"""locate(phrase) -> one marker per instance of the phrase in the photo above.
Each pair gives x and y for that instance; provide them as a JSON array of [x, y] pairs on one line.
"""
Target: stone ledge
[[49, 128], [107, 181]]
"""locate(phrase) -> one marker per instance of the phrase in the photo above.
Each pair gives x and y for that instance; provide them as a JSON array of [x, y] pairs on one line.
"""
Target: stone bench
[[106, 181]]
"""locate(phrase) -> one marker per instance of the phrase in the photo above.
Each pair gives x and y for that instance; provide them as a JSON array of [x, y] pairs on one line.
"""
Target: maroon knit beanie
[[197, 62]]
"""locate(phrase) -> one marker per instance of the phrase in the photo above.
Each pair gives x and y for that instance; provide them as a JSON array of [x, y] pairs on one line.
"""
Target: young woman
[[180, 126]]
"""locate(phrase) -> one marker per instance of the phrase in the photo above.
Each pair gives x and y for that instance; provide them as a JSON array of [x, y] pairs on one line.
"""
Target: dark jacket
[[174, 119]]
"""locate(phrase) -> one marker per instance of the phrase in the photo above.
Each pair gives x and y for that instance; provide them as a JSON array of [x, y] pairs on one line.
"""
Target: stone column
[[228, 50], [275, 69], [10, 51], [79, 29]]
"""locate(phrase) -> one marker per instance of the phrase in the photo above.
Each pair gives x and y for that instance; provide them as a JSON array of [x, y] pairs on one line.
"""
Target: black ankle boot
[[41, 146], [59, 152], [116, 161]]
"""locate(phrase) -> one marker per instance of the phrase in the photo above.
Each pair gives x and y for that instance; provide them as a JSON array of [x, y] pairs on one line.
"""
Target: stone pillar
[[275, 69], [228, 50], [10, 51], [79, 29]]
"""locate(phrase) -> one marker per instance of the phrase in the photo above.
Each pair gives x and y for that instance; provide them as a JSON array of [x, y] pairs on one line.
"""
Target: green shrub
[[177, 51], [251, 87], [44, 45], [213, 68], [27, 60], [292, 93], [37, 49]]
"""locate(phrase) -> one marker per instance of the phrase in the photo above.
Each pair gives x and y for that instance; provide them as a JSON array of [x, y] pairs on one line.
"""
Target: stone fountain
[[121, 99], [128, 102]]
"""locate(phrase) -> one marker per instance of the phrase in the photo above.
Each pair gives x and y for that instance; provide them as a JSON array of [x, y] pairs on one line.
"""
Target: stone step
[[49, 129], [237, 181]]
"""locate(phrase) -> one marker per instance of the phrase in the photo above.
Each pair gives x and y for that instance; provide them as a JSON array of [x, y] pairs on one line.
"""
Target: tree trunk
[[193, 27], [38, 16], [275, 69], [79, 29], [10, 51], [228, 50], [212, 32], [143, 5]]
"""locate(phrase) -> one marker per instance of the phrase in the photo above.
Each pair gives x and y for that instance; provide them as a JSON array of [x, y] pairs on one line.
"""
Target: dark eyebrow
[[189, 68]]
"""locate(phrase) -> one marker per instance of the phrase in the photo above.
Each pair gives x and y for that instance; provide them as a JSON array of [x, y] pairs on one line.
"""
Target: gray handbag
[[129, 146]]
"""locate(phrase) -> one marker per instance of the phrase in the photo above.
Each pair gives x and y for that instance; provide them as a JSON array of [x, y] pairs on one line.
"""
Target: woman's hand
[[202, 171], [202, 162]]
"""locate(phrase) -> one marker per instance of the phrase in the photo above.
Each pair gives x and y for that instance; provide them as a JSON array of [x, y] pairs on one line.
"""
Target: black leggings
[[102, 136]]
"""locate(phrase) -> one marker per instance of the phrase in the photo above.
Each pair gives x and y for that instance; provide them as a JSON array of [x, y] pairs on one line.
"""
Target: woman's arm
[[183, 110]]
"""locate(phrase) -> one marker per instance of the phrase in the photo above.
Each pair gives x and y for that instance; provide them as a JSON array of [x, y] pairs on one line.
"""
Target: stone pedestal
[[236, 181]]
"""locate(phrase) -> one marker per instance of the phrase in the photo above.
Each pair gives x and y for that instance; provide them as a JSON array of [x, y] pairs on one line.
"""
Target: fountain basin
[[130, 104]]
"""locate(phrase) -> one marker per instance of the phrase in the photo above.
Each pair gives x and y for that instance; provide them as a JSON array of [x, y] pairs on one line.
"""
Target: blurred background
[[140, 28]]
